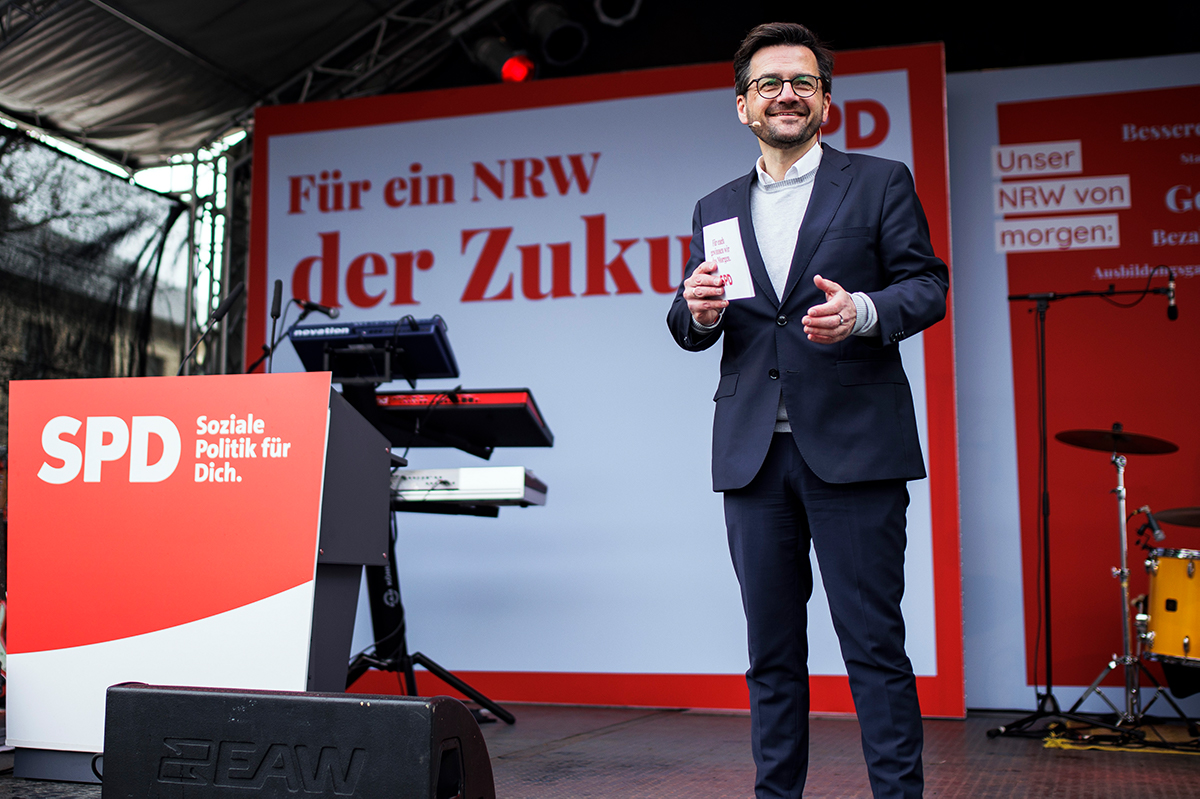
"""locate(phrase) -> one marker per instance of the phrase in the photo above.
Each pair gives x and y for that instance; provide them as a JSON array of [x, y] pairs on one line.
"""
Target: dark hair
[[771, 34]]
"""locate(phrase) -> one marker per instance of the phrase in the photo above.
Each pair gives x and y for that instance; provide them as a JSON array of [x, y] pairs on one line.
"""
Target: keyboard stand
[[391, 644]]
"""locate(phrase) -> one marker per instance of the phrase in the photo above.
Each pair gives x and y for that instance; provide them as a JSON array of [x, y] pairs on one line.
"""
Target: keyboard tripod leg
[[463, 688]]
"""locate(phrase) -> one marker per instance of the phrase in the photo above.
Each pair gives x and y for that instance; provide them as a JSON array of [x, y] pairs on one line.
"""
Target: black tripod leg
[[410, 677], [1047, 708], [1191, 725], [1094, 688], [387, 622], [463, 688], [358, 667]]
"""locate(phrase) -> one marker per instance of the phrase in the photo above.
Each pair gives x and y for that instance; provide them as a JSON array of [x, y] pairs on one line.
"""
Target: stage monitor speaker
[[165, 742]]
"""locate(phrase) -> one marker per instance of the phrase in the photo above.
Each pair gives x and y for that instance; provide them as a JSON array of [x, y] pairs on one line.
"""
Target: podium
[[190, 531]]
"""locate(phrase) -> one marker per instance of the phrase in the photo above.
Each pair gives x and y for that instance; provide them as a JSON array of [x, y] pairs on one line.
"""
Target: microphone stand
[[270, 351], [1047, 704]]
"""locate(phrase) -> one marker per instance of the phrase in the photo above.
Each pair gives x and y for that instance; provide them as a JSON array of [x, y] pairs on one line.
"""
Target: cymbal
[[1117, 440], [1184, 517]]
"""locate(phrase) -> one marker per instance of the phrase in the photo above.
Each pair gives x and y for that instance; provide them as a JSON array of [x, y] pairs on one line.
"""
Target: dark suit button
[[781, 320], [773, 374], [898, 335]]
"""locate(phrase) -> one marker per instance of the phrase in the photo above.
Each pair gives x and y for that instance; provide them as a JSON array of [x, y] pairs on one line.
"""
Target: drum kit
[[1165, 625]]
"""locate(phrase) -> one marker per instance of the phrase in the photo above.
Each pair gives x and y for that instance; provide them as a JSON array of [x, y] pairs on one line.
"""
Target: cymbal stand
[[1133, 713]]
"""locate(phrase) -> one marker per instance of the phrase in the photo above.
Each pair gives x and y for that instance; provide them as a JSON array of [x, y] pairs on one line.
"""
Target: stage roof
[[144, 79]]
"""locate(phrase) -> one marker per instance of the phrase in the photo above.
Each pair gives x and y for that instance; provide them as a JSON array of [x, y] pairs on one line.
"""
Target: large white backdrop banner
[[548, 225]]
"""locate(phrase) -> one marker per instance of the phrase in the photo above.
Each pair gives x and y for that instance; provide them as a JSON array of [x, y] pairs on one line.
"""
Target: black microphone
[[217, 316], [1159, 535], [1172, 311], [332, 313], [224, 307], [276, 307]]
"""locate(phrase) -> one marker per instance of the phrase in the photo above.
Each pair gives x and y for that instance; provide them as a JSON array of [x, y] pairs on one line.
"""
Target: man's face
[[785, 122]]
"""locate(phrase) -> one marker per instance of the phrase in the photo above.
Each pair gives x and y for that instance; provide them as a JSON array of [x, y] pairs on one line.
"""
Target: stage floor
[[620, 753]]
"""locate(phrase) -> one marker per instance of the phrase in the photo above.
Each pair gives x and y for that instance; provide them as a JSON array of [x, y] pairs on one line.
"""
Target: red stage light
[[517, 69]]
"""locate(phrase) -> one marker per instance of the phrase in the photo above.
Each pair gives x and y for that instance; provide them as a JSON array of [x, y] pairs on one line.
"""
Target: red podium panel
[[203, 531]]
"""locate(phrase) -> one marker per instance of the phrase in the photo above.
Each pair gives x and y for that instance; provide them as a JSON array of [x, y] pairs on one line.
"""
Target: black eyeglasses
[[770, 88]]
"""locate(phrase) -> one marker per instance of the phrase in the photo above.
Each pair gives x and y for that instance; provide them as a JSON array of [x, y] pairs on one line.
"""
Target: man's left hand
[[832, 320]]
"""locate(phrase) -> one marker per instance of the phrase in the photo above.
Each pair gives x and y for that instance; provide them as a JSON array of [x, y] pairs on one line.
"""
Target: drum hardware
[[1141, 621], [1097, 439], [1118, 442], [1147, 631]]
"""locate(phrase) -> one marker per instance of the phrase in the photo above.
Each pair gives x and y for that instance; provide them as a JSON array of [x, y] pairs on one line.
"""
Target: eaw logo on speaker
[[262, 765]]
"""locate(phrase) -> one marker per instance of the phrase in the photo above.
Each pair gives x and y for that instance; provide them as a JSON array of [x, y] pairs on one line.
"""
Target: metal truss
[[18, 16], [385, 55]]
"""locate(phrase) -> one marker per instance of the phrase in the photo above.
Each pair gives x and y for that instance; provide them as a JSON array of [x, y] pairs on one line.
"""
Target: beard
[[773, 136]]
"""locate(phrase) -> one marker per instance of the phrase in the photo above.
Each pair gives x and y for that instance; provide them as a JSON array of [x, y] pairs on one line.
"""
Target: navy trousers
[[858, 531]]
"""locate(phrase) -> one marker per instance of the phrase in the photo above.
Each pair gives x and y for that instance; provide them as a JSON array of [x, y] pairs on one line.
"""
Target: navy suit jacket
[[849, 404]]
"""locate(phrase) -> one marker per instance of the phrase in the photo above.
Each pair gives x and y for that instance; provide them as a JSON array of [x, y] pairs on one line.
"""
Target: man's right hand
[[705, 294]]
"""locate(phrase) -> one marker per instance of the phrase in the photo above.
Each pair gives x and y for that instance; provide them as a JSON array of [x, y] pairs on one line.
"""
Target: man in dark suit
[[815, 435]]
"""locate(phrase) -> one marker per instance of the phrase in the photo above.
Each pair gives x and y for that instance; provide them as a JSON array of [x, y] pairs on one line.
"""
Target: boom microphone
[[332, 313], [224, 307], [217, 316]]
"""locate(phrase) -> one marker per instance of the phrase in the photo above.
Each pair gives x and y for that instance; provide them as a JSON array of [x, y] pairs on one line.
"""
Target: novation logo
[[276, 767], [328, 330]]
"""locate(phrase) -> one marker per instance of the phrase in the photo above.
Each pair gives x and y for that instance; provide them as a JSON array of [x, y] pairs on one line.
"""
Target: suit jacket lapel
[[758, 270], [829, 189]]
